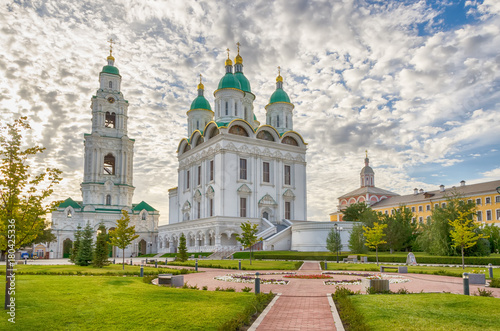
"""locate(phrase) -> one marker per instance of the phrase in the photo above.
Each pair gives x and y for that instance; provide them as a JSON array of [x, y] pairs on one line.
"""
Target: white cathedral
[[231, 170], [107, 186]]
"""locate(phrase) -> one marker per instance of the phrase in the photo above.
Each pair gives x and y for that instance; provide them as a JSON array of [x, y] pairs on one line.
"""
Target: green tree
[[123, 235], [182, 249], [353, 212], [374, 236], [76, 244], [333, 241], [493, 234], [357, 240], [464, 233], [23, 196], [400, 228], [85, 249], [248, 236], [101, 250]]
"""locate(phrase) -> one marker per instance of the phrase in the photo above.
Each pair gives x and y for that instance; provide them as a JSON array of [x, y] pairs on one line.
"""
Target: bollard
[[114, 262], [166, 261], [326, 265], [466, 283], [491, 270], [142, 270], [196, 265], [239, 264], [156, 264], [257, 283], [146, 260], [130, 261]]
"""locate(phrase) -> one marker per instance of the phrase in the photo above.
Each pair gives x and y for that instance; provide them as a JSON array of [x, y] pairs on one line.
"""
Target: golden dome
[[110, 57], [229, 62], [238, 59], [279, 78]]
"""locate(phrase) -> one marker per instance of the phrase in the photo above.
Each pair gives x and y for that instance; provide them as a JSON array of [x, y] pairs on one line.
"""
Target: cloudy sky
[[416, 83]]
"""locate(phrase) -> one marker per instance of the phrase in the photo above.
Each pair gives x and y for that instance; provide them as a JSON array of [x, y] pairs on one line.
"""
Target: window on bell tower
[[110, 120], [227, 108], [110, 84], [109, 164], [108, 199]]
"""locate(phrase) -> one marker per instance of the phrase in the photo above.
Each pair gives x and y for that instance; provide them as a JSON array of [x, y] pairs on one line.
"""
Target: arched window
[[108, 200], [110, 120], [265, 135], [109, 164], [110, 84], [197, 125], [235, 109], [289, 141], [238, 130], [227, 108], [143, 216], [69, 214], [246, 114], [278, 120], [265, 215]]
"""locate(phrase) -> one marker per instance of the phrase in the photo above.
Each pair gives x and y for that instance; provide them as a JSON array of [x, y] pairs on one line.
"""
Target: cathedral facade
[[232, 169], [107, 186]]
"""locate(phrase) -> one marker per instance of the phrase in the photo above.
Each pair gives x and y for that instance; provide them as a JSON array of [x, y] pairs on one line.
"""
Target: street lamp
[[337, 235]]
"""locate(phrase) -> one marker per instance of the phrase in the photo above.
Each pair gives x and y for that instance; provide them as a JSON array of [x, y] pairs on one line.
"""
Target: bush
[[351, 318], [495, 282], [260, 302], [205, 288], [484, 293], [246, 289], [148, 279]]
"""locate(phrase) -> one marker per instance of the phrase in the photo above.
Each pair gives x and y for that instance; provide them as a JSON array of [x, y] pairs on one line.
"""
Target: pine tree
[[122, 235], [333, 241], [84, 256], [182, 255], [101, 251], [357, 240], [76, 244]]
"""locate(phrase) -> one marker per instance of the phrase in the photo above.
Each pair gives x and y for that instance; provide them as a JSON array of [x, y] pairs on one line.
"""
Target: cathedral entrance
[[142, 247], [67, 245]]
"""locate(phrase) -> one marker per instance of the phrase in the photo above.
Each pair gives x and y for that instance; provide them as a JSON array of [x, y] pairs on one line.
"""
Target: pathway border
[[336, 317], [261, 317]]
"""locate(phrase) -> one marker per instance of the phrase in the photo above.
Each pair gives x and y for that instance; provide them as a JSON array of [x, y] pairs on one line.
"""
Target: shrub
[[484, 293], [148, 279], [495, 282], [205, 288], [246, 289], [260, 302], [351, 318]]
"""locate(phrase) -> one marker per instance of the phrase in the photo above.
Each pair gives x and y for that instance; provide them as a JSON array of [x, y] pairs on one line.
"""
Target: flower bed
[[343, 282], [250, 278], [393, 279], [308, 276], [348, 273]]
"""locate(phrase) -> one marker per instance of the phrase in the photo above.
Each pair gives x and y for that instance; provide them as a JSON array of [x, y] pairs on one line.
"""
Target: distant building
[[421, 203]]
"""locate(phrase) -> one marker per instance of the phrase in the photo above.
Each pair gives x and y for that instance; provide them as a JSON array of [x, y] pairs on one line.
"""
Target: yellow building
[[485, 195]]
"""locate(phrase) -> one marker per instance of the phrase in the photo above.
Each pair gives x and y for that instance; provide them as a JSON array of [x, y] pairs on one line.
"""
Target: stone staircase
[[222, 253]]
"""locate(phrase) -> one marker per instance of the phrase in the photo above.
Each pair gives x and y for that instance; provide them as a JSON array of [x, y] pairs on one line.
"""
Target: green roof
[[143, 205], [229, 81], [279, 96], [200, 103], [110, 70], [245, 84], [222, 124], [254, 117], [70, 203]]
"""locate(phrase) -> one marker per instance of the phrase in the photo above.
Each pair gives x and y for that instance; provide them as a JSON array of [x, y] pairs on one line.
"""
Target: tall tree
[[357, 240], [374, 236], [182, 254], [85, 249], [400, 228], [464, 233], [353, 212], [101, 250], [23, 196], [248, 236], [76, 244], [493, 234], [333, 241], [123, 235]]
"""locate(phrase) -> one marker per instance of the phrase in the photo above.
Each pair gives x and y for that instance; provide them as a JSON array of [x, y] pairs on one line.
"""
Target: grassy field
[[114, 269], [117, 303], [233, 264], [445, 271], [437, 311], [189, 254]]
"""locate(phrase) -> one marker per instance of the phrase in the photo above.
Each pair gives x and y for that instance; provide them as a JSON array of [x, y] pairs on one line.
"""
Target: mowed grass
[[436, 311], [233, 264], [117, 303], [444, 271], [115, 269]]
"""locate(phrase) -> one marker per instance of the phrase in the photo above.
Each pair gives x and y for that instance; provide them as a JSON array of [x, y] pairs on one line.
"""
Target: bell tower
[[108, 164]]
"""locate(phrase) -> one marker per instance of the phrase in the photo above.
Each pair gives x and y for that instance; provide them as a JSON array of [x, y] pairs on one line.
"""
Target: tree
[[76, 244], [123, 235], [353, 212], [464, 232], [493, 234], [182, 255], [23, 195], [357, 240], [400, 228], [101, 250], [248, 236], [374, 236], [85, 251], [333, 241]]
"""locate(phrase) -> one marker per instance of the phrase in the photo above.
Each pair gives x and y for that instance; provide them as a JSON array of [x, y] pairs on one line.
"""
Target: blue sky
[[416, 83]]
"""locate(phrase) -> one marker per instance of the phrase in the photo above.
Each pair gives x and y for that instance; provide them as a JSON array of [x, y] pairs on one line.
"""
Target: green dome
[[200, 103], [245, 84], [254, 117], [110, 70], [229, 81], [279, 96]]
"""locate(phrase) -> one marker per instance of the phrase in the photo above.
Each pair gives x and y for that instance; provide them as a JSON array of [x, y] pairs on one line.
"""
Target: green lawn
[[189, 254], [445, 271], [117, 303], [436, 311], [77, 270], [233, 264]]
